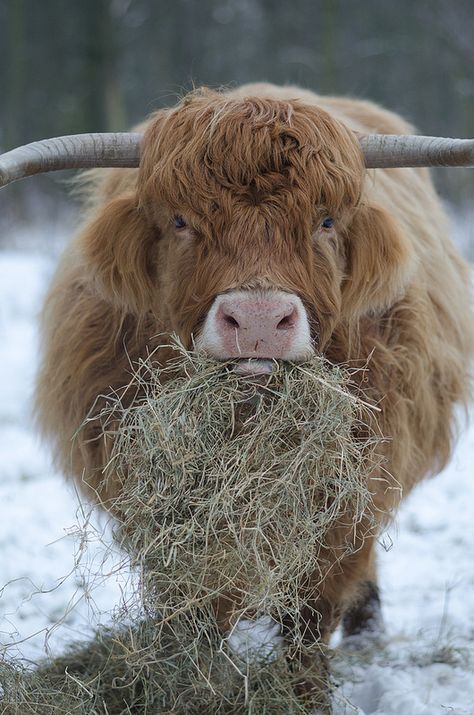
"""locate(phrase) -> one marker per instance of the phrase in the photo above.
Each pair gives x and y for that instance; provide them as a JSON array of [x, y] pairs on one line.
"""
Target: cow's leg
[[365, 614], [314, 689], [311, 668]]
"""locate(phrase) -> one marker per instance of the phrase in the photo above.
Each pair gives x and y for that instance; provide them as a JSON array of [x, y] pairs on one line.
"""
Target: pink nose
[[255, 324]]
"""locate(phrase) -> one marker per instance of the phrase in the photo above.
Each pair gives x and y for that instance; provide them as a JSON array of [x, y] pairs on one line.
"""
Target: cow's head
[[248, 232]]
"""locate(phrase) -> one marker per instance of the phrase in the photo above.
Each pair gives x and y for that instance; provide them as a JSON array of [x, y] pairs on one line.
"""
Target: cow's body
[[387, 284]]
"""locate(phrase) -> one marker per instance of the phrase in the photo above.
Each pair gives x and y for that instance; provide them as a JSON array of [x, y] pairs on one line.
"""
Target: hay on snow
[[232, 490]]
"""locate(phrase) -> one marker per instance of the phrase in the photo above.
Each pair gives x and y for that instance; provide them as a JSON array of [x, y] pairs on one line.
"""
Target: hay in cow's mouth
[[237, 498], [231, 484]]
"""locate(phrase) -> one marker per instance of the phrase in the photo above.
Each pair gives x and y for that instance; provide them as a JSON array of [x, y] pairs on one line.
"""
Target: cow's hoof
[[363, 621]]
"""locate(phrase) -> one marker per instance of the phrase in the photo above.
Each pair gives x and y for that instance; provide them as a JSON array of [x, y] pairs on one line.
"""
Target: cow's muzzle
[[256, 327]]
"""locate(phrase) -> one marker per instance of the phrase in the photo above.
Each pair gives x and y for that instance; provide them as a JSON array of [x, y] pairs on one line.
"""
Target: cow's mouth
[[255, 367]]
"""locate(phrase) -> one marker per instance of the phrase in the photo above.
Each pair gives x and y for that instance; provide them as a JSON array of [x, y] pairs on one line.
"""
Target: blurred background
[[103, 65]]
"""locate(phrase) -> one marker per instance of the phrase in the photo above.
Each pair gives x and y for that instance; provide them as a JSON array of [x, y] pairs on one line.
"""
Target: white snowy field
[[425, 664]]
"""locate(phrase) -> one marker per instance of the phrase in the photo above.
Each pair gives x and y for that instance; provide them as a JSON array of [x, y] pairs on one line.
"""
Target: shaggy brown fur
[[254, 171]]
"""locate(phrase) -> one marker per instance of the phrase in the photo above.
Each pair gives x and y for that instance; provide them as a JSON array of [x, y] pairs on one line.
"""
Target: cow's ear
[[380, 262], [119, 246]]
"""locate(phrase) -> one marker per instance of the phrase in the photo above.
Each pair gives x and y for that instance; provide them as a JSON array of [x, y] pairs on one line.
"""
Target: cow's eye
[[179, 222], [328, 222]]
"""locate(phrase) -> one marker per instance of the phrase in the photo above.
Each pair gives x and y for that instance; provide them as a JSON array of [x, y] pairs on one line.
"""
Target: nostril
[[230, 321], [288, 321]]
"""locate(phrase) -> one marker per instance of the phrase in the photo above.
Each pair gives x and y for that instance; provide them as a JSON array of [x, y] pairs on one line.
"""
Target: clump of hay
[[235, 484], [236, 497], [145, 670]]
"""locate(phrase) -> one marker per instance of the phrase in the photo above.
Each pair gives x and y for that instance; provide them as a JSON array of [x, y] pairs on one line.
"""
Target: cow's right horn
[[77, 151]]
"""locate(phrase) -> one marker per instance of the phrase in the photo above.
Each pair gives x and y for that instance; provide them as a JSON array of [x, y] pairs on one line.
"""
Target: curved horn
[[122, 149], [77, 151], [384, 151]]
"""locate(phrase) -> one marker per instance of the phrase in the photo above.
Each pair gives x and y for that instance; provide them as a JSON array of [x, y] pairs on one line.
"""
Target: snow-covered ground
[[425, 664]]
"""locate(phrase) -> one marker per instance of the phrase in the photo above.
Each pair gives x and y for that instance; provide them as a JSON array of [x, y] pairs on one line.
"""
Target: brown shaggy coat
[[254, 171]]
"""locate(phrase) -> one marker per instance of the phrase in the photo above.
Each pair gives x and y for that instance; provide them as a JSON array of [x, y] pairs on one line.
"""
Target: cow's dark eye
[[328, 222], [179, 222]]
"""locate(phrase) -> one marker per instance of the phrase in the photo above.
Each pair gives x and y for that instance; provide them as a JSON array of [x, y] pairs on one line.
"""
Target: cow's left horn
[[77, 151], [385, 151]]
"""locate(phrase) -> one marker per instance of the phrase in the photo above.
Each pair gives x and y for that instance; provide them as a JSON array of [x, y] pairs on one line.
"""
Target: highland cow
[[253, 229]]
